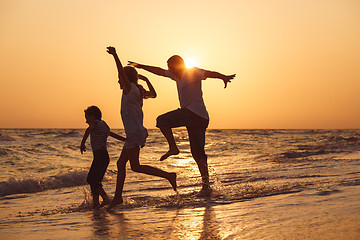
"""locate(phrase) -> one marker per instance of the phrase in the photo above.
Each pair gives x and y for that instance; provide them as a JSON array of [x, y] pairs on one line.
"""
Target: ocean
[[268, 184]]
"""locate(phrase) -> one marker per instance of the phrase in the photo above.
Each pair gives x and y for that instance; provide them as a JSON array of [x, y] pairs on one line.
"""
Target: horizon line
[[61, 128]]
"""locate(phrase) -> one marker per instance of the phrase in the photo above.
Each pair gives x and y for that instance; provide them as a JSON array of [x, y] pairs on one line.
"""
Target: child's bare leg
[[118, 192], [133, 155], [105, 197], [121, 164], [173, 149]]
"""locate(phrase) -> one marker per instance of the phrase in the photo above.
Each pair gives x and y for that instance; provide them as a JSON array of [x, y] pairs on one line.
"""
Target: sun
[[190, 63]]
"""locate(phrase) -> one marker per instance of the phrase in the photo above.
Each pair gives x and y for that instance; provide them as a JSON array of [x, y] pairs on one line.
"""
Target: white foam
[[37, 184]]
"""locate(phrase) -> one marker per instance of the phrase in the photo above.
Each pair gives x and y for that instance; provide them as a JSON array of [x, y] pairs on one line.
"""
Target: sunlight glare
[[190, 62]]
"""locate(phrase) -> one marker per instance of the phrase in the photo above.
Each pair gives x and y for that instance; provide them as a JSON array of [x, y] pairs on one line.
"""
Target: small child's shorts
[[98, 169]]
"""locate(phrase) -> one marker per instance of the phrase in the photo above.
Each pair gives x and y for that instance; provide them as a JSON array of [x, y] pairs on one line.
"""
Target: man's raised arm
[[225, 78], [154, 70]]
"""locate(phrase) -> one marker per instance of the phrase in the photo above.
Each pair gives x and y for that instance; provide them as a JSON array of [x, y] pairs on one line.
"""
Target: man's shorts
[[195, 125]]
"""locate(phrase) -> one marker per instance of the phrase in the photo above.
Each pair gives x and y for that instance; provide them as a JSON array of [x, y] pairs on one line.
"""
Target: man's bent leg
[[173, 149], [166, 122]]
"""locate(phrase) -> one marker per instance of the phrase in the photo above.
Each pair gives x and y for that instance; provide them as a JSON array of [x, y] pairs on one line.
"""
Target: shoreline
[[315, 213]]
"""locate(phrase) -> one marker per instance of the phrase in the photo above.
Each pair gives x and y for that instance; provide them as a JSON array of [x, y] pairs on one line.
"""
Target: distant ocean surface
[[44, 175]]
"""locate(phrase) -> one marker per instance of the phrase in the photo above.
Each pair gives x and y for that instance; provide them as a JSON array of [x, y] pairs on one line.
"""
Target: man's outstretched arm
[[154, 70], [225, 78]]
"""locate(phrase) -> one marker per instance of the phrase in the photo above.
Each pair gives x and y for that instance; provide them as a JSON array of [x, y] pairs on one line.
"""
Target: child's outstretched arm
[[86, 135], [124, 82], [116, 136], [155, 70], [151, 93], [225, 78]]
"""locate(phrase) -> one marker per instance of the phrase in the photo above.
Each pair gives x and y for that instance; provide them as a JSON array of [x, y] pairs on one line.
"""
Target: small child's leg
[[96, 202]]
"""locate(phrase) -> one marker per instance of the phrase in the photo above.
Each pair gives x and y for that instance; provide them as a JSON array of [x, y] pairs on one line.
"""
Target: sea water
[[254, 173]]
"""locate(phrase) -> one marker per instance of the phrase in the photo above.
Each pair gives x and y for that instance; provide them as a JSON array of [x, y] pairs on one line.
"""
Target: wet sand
[[309, 214]]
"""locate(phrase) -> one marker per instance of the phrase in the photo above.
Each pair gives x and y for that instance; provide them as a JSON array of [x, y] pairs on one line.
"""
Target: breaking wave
[[6, 138], [38, 184]]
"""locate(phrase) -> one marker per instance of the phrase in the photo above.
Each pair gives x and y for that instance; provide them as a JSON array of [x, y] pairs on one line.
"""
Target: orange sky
[[297, 62]]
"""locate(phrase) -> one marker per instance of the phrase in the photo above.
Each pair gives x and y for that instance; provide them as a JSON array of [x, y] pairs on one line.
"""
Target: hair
[[176, 59], [131, 74], [93, 111]]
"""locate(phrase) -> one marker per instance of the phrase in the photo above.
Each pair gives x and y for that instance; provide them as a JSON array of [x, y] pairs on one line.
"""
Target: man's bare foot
[[205, 192], [172, 180], [114, 203], [171, 152]]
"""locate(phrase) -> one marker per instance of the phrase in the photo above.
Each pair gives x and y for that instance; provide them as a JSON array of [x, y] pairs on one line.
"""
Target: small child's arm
[[225, 78], [116, 136], [86, 135], [155, 70], [151, 93]]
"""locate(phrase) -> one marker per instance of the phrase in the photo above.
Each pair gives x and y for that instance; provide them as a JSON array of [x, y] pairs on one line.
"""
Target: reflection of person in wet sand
[[192, 114], [101, 224], [210, 228], [136, 133]]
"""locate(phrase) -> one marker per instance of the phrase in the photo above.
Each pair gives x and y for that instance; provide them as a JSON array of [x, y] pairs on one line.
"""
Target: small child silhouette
[[99, 132]]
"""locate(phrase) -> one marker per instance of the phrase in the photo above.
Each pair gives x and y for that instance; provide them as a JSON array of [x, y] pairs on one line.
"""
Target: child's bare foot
[[96, 205], [105, 202], [171, 152], [172, 180], [114, 203]]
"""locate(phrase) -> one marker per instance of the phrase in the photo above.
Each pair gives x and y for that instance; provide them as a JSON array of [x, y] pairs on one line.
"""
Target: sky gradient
[[297, 62]]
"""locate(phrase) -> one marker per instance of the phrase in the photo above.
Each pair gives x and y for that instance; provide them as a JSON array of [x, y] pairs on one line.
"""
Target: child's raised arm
[[151, 93], [116, 136], [155, 70], [225, 78], [123, 80]]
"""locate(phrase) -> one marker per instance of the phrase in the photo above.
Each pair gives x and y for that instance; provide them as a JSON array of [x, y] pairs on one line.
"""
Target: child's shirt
[[99, 135], [189, 90]]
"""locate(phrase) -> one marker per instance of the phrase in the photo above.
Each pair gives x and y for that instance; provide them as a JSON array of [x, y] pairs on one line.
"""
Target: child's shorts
[[136, 139]]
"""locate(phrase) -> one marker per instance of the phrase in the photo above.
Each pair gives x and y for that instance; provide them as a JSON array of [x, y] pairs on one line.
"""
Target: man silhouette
[[192, 114]]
